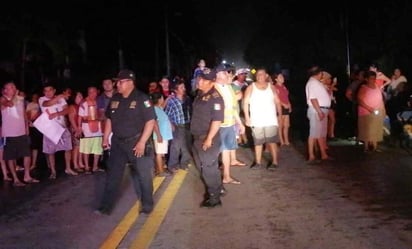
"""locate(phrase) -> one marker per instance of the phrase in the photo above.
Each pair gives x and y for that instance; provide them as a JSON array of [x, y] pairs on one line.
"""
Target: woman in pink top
[[371, 113], [381, 79], [284, 120]]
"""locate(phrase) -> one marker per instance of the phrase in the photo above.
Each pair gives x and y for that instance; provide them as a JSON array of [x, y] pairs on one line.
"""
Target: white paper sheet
[[50, 128]]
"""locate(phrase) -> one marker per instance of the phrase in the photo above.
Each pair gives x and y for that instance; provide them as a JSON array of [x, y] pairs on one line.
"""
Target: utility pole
[[167, 42], [347, 42]]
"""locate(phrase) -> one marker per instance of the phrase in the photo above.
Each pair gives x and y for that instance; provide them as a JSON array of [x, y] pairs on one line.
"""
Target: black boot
[[212, 201]]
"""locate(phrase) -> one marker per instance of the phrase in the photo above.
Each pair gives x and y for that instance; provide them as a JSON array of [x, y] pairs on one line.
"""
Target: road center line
[[153, 222], [120, 231]]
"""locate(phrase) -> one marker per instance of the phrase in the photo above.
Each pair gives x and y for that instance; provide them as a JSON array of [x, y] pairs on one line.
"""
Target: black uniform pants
[[208, 164], [141, 170]]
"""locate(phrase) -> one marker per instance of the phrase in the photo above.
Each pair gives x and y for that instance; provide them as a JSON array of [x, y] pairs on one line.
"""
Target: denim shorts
[[228, 138]]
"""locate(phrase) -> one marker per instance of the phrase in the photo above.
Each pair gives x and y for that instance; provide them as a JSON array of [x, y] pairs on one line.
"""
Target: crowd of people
[[169, 128], [380, 107]]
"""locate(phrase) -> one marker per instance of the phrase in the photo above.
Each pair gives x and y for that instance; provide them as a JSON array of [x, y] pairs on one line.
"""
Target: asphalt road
[[357, 201]]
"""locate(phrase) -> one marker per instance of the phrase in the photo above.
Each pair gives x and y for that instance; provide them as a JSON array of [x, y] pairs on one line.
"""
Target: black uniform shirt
[[207, 107], [129, 115]]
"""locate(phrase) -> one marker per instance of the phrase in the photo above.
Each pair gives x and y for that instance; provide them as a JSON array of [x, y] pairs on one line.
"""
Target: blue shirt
[[178, 110], [102, 101], [163, 122]]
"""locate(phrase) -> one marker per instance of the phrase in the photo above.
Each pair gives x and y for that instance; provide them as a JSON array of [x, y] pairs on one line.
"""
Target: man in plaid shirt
[[178, 109]]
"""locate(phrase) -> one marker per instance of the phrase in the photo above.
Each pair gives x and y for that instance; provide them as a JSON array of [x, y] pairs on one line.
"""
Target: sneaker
[[256, 166], [271, 166]]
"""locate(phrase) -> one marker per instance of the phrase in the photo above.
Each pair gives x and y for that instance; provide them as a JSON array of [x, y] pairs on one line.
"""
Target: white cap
[[242, 70]]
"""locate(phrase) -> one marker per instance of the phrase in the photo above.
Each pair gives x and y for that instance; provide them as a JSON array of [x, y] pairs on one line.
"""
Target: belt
[[324, 107], [126, 139]]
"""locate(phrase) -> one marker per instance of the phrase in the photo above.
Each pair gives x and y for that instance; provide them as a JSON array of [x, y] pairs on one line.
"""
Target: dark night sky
[[200, 29]]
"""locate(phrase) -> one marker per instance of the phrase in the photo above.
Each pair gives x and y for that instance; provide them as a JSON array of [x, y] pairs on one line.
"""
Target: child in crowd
[[162, 132]]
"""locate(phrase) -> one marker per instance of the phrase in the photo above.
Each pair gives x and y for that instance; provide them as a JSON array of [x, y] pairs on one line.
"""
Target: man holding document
[[55, 106]]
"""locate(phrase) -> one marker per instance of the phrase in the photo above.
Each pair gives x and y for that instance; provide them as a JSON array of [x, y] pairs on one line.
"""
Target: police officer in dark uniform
[[208, 114], [130, 118]]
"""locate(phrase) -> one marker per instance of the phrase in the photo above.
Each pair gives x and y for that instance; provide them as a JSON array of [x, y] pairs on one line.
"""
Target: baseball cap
[[224, 67], [242, 71], [208, 74], [125, 74]]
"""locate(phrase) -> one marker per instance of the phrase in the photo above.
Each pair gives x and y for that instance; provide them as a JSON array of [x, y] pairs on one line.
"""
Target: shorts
[[17, 147], [318, 128], [228, 138], [91, 145], [285, 111], [266, 134], [161, 148], [64, 144]]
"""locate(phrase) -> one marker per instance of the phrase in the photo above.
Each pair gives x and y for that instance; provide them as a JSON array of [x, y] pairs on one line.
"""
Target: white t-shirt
[[59, 106], [84, 112], [316, 90]]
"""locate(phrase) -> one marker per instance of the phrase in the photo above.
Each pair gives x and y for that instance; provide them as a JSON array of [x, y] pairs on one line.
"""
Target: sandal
[[238, 164], [233, 181], [19, 184], [71, 173], [32, 180], [52, 176]]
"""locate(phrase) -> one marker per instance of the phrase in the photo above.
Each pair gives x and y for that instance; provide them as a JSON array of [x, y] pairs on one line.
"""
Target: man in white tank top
[[261, 106], [15, 130]]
